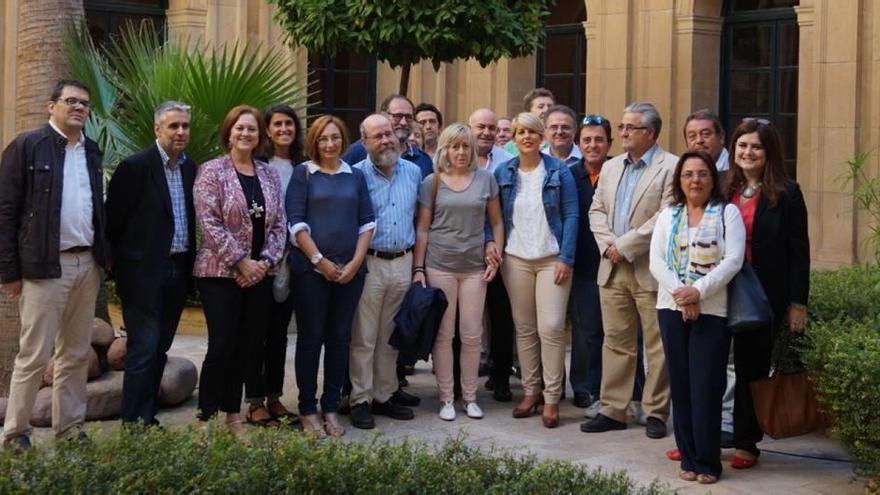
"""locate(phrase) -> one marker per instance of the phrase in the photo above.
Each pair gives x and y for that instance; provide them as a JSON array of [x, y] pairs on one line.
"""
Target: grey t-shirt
[[456, 237]]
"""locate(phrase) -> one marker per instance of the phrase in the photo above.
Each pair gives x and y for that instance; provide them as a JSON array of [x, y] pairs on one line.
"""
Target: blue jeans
[[696, 357], [324, 315], [585, 371]]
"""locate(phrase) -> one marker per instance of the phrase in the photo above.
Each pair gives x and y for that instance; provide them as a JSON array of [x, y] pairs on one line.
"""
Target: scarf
[[691, 259]]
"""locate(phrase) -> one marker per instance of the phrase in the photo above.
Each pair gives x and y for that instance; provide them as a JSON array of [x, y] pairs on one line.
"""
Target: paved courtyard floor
[[786, 466]]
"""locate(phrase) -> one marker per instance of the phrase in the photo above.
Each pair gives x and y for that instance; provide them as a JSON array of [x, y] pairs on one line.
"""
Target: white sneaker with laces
[[473, 410], [592, 411], [447, 412]]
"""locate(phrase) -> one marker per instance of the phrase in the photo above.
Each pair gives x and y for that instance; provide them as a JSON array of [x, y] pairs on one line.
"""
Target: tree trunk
[[404, 79], [39, 66]]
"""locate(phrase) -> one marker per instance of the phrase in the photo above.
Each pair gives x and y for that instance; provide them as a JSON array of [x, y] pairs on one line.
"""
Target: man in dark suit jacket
[[151, 228]]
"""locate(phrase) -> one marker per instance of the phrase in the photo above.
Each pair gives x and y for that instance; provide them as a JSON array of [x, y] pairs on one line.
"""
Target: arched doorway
[[561, 63], [759, 67]]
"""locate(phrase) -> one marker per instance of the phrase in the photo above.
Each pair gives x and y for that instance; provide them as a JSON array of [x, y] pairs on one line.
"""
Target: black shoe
[[393, 410], [655, 428], [582, 400], [726, 440], [18, 444], [502, 391], [602, 423], [361, 417], [490, 383], [404, 398]]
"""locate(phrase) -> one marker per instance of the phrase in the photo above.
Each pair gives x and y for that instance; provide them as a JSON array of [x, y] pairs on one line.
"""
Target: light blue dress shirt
[[395, 200], [626, 188]]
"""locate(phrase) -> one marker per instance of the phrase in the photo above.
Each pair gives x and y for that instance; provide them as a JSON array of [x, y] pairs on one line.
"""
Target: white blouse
[[713, 286], [531, 237]]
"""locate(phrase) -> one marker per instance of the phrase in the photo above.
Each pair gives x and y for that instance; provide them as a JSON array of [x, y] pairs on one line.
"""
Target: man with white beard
[[394, 188]]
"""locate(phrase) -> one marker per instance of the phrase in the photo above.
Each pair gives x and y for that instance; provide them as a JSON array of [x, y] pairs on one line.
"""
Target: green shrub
[[842, 352], [274, 461]]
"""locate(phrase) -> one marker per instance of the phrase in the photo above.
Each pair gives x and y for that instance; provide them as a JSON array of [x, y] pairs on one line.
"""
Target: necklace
[[256, 210], [750, 191]]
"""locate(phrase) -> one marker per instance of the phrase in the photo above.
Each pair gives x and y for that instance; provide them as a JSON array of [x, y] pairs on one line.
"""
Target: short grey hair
[[454, 133], [363, 128], [650, 115], [170, 106]]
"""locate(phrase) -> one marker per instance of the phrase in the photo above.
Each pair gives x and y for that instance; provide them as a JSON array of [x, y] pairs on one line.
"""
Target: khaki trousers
[[539, 307], [624, 302], [57, 312], [372, 362]]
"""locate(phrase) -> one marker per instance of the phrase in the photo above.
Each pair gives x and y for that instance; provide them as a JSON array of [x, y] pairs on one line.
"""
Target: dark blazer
[[31, 178], [586, 254], [417, 322], [140, 221]]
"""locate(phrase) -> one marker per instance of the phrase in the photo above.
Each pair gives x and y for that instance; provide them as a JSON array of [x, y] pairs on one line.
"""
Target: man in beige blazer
[[632, 189]]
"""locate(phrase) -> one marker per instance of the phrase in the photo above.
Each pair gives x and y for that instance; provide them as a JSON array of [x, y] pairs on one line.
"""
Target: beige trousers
[[539, 307], [467, 292], [55, 312], [372, 362], [624, 302]]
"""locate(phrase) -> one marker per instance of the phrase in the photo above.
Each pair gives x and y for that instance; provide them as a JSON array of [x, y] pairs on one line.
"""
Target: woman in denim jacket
[[539, 205]]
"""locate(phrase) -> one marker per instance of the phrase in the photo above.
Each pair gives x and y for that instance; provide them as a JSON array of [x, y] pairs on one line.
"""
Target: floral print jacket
[[226, 228]]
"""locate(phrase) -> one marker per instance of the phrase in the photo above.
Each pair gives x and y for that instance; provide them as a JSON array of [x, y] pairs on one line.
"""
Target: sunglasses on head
[[594, 120], [759, 121]]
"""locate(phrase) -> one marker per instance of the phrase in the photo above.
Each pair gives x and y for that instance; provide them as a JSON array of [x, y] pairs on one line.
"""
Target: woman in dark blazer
[[778, 248]]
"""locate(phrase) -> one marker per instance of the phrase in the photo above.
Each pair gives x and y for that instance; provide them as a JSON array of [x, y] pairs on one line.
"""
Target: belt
[[76, 249], [388, 256]]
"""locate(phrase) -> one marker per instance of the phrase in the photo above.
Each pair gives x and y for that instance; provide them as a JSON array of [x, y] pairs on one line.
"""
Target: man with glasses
[[399, 110], [631, 191], [51, 248], [394, 188], [151, 226], [559, 125]]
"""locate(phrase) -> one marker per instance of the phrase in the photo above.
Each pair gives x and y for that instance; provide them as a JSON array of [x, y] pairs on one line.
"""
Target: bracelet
[[419, 269]]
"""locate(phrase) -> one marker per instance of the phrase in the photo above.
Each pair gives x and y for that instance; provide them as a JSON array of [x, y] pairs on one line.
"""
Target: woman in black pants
[[239, 209], [267, 356], [778, 247]]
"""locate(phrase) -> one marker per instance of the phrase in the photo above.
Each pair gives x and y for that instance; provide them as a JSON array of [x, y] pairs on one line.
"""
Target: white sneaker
[[473, 410], [592, 411], [447, 412], [635, 408]]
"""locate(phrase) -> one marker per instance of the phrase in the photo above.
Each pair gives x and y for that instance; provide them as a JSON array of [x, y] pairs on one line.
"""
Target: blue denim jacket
[[560, 202]]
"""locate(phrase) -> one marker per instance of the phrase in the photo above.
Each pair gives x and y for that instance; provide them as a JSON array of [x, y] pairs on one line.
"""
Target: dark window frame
[[578, 63], [115, 8], [326, 104]]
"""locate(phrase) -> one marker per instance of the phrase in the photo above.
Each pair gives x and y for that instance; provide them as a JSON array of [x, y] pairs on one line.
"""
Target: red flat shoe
[[673, 455], [742, 463]]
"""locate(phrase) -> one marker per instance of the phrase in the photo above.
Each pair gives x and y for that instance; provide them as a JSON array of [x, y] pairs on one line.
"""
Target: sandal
[[688, 475], [280, 413], [237, 427], [311, 426], [332, 426], [258, 415], [706, 479]]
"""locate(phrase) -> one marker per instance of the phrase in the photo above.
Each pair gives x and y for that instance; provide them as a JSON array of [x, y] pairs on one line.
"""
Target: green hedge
[[843, 355], [276, 461]]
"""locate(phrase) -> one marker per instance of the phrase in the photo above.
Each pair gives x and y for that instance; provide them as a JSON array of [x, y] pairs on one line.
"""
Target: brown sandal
[[280, 413], [332, 425], [260, 416], [311, 426]]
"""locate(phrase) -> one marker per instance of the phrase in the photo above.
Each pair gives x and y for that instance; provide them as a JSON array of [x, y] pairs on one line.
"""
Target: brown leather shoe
[[528, 406], [550, 415]]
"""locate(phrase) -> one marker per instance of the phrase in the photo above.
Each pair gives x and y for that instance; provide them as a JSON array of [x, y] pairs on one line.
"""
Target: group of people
[[523, 229]]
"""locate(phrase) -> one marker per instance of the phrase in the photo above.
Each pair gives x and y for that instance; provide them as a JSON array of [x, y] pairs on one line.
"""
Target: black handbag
[[747, 305]]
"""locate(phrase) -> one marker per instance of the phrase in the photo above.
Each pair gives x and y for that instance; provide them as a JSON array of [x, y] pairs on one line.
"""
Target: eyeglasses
[[401, 116], [630, 127], [594, 120], [72, 102], [753, 119], [700, 174], [560, 128]]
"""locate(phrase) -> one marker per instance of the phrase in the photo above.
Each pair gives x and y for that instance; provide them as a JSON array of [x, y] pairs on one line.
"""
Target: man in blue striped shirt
[[394, 188]]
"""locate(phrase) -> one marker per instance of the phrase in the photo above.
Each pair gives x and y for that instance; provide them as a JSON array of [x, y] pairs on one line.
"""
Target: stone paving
[[643, 458]]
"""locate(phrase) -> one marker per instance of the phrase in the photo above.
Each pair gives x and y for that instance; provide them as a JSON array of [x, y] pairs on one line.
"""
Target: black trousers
[[235, 317], [266, 358], [696, 356], [150, 323], [501, 329], [751, 359]]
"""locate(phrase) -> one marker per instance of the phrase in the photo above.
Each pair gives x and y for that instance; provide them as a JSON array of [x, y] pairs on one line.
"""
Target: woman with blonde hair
[[450, 254], [540, 209]]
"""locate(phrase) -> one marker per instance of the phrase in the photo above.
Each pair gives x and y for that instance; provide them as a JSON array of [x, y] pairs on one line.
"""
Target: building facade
[[811, 66]]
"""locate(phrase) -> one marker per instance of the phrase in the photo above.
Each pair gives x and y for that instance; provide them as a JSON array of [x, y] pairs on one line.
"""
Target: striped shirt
[[180, 239], [626, 188], [394, 203]]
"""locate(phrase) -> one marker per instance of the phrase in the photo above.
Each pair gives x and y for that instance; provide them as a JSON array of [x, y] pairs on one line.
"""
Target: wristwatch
[[316, 258]]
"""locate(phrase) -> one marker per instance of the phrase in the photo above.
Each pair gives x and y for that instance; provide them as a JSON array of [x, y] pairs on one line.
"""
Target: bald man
[[484, 127]]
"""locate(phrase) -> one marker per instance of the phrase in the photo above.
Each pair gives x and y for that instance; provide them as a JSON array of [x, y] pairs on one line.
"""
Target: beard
[[385, 158]]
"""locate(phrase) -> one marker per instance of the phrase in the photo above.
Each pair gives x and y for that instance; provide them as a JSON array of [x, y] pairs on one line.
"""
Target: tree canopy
[[404, 32]]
